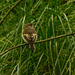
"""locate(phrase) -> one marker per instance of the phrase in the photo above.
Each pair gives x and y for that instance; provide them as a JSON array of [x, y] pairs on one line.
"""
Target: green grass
[[51, 18]]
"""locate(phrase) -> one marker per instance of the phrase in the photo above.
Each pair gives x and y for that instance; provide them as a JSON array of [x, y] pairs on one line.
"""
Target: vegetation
[[51, 18]]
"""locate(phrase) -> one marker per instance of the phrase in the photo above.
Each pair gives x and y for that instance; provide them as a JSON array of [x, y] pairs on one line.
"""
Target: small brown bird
[[29, 35]]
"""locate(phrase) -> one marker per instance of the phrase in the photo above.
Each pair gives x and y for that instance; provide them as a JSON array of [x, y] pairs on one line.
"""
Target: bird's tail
[[32, 47]]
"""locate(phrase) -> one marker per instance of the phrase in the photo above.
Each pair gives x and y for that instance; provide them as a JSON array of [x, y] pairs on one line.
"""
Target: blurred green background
[[51, 18]]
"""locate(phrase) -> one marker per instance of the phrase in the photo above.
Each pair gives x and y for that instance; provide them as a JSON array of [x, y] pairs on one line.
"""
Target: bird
[[29, 35]]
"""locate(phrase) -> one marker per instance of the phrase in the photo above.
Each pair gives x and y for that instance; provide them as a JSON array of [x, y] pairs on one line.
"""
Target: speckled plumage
[[29, 35], [29, 30]]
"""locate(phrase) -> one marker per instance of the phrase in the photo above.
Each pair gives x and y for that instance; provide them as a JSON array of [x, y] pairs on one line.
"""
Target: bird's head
[[29, 24]]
